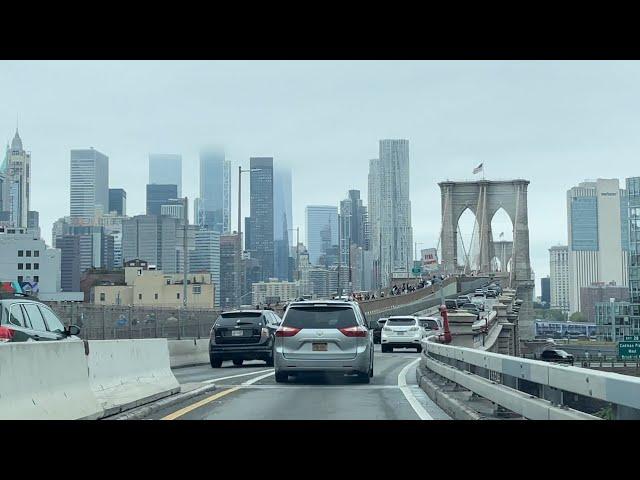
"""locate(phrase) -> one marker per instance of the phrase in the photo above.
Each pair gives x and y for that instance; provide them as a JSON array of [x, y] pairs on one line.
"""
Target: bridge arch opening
[[467, 239], [502, 226], [496, 265]]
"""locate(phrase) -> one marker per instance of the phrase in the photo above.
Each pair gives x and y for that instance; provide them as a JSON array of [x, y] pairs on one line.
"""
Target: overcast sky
[[554, 123]]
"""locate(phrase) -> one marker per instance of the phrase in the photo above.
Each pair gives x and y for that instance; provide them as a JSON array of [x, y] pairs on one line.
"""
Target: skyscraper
[[392, 234], [598, 243], [633, 232], [15, 190], [261, 208], [206, 257], [89, 184], [321, 230], [559, 274], [226, 197], [212, 179], [118, 201], [158, 195], [230, 271], [353, 218], [166, 169], [282, 220], [152, 239], [545, 290]]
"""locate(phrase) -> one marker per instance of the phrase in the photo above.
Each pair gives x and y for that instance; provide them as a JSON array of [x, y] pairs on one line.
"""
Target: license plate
[[236, 333], [399, 333], [319, 347]]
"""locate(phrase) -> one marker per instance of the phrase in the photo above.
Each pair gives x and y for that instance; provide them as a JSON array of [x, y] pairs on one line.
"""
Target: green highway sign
[[416, 271], [628, 350], [632, 338]]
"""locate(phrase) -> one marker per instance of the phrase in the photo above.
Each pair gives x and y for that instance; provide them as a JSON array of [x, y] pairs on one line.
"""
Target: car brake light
[[356, 331], [286, 331], [6, 334]]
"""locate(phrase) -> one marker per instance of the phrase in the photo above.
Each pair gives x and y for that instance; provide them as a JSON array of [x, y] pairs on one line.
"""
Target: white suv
[[401, 332]]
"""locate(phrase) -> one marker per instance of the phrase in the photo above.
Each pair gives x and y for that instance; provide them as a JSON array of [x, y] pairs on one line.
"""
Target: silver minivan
[[323, 336]]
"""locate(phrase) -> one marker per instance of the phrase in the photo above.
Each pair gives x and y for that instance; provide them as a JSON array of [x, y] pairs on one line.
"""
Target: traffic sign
[[628, 350], [416, 271], [632, 338]]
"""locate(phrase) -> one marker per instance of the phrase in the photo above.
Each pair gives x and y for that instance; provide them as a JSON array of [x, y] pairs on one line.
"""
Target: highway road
[[251, 393]]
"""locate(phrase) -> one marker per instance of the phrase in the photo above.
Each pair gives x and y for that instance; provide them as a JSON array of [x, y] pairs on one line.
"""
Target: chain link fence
[[99, 322]]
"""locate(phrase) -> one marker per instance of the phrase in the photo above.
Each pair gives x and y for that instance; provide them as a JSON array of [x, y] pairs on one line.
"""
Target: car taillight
[[356, 331], [286, 331], [6, 334]]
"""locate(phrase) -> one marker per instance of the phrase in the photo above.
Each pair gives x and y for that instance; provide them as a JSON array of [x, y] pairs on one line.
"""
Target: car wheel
[[216, 362], [282, 377], [384, 349], [364, 378], [238, 363], [371, 370], [418, 349], [269, 361]]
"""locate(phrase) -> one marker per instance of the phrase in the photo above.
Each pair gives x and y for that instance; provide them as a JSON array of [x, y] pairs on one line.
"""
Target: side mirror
[[72, 330]]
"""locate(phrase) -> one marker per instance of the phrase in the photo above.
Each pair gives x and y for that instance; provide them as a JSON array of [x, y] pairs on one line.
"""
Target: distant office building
[[212, 189], [33, 220], [390, 210], [152, 239], [260, 236], [230, 270], [321, 230], [273, 292], [226, 197], [25, 258], [69, 246], [89, 184], [598, 236], [175, 210], [559, 277], [633, 232], [206, 256], [112, 225], [282, 221], [599, 292], [545, 288], [158, 195], [15, 184], [166, 169], [146, 286], [118, 201]]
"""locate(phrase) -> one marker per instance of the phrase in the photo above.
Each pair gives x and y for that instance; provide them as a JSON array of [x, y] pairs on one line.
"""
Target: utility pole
[[185, 251]]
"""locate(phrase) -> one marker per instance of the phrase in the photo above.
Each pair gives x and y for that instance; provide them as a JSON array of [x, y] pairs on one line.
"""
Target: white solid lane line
[[213, 380], [408, 394], [257, 379]]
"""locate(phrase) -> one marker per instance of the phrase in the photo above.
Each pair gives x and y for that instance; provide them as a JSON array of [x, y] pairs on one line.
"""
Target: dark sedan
[[557, 356]]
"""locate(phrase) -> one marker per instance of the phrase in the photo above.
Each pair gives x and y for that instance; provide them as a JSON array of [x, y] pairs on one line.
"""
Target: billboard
[[429, 257]]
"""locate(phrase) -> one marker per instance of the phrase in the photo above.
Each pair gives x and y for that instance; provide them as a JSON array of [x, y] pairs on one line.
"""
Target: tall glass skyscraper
[[89, 184], [321, 229], [261, 222], [159, 195], [282, 221], [212, 205], [166, 169]]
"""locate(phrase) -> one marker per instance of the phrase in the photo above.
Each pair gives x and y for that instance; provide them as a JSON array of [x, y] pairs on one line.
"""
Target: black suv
[[558, 356], [24, 319], [243, 335]]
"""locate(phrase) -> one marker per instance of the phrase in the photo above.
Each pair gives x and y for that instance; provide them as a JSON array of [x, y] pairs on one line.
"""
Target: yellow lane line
[[192, 407]]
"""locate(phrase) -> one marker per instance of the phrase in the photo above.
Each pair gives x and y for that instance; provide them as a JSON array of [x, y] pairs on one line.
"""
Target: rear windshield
[[320, 317], [401, 322], [239, 318], [430, 324]]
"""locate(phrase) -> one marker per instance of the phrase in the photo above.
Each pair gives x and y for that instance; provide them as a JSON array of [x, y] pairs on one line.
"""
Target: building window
[[28, 252], [36, 279], [102, 296], [197, 289], [36, 253], [139, 296], [36, 266], [21, 253], [28, 266], [20, 266], [156, 296], [168, 281], [178, 295]]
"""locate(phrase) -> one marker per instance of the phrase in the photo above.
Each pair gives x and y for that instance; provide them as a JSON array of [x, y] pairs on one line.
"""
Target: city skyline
[[520, 119]]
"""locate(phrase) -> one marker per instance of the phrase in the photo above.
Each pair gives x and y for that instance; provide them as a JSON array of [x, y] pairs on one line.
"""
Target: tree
[[577, 317]]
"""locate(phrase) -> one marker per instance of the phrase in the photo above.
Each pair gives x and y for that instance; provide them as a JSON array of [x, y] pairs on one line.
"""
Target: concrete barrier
[[46, 381], [125, 374], [183, 353]]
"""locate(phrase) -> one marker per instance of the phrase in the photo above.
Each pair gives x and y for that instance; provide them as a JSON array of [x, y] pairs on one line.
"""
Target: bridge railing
[[535, 389]]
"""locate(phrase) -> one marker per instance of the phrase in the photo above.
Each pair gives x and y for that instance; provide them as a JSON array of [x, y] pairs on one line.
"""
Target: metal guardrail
[[533, 388]]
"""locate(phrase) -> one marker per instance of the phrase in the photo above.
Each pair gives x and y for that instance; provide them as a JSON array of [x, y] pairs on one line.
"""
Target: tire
[[364, 378], [215, 362], [371, 370], [282, 377], [238, 363], [419, 349], [269, 361]]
